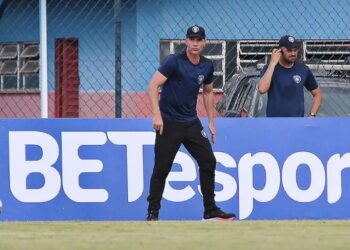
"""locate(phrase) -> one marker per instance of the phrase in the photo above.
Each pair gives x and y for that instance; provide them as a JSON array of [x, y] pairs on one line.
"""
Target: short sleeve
[[310, 83], [262, 72], [210, 76], [168, 65]]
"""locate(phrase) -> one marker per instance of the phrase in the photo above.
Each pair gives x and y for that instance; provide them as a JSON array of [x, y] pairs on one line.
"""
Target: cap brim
[[296, 46], [193, 36]]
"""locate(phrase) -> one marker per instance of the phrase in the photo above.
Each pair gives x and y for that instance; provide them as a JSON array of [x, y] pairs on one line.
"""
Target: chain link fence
[[102, 53]]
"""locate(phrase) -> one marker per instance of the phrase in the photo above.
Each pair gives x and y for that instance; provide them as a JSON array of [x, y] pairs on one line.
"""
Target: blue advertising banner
[[99, 169]]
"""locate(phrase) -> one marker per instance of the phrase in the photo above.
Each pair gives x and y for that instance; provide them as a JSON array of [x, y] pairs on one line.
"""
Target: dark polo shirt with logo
[[286, 93], [178, 98]]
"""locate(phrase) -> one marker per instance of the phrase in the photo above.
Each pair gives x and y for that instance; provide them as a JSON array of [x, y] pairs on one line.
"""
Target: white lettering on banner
[[227, 181], [188, 173], [247, 192], [20, 168], [73, 166], [134, 142], [335, 166], [289, 177]]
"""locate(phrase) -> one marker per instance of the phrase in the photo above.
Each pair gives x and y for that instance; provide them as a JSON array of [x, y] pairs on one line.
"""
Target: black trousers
[[192, 136]]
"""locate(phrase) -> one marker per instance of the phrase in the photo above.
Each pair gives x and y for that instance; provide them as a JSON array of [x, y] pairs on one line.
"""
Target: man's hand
[[275, 56], [212, 132], [158, 123]]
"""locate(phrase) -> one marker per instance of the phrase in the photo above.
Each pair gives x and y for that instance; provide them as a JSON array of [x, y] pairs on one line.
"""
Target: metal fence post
[[118, 88]]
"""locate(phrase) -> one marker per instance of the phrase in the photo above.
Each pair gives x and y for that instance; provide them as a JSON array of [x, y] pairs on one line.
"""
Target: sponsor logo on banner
[[322, 178]]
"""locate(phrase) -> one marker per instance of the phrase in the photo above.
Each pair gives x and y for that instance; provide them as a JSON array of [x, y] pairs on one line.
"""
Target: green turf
[[176, 235]]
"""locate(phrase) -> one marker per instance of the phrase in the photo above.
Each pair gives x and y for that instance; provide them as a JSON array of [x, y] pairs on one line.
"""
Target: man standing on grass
[[176, 122]]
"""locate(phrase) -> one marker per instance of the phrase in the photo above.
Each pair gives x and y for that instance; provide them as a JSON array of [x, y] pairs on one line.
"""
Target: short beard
[[287, 60], [292, 60]]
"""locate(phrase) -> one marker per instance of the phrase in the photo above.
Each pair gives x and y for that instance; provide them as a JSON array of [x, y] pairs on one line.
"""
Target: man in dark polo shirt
[[175, 121], [284, 80]]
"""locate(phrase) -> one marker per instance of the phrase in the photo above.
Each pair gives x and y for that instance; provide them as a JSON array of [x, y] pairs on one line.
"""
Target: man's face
[[289, 55], [195, 45]]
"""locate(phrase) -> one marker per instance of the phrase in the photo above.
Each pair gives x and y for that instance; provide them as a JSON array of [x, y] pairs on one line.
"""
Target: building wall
[[144, 23]]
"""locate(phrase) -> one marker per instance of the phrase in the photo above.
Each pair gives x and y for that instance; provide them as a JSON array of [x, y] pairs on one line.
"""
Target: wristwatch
[[312, 114]]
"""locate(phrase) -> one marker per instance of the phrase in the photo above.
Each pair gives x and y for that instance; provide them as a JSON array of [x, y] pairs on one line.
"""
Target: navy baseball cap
[[195, 31], [289, 42]]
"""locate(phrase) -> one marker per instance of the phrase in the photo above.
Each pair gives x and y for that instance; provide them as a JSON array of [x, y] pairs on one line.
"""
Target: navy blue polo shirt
[[286, 92], [178, 98]]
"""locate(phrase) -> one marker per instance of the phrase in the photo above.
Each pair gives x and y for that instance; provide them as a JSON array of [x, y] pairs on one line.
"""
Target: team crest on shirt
[[297, 78], [204, 134], [200, 79]]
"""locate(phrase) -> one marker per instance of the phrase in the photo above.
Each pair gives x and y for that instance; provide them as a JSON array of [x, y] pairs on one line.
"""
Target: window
[[215, 50], [254, 53], [327, 54], [317, 54], [19, 67]]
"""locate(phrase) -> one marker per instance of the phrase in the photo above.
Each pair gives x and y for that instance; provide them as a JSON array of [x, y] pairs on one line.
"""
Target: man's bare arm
[[265, 81], [208, 99], [157, 80], [316, 100]]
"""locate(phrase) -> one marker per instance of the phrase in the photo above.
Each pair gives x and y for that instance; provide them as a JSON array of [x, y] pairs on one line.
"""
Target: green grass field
[[176, 235]]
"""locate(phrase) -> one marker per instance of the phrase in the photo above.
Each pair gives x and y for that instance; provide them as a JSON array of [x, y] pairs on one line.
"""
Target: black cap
[[195, 31], [289, 42]]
